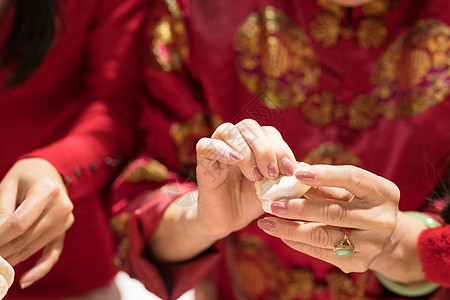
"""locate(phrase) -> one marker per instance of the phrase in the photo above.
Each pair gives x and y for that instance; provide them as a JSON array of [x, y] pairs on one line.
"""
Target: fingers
[[50, 256], [318, 240], [35, 201], [217, 150], [284, 155], [8, 192], [361, 183], [44, 230], [264, 152]]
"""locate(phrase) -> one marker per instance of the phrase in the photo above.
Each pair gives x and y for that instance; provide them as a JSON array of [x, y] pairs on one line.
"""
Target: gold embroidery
[[169, 45], [275, 57], [321, 110], [332, 154], [371, 32], [145, 169], [186, 135], [414, 73], [259, 274], [342, 286], [318, 109], [326, 29], [119, 225], [363, 112]]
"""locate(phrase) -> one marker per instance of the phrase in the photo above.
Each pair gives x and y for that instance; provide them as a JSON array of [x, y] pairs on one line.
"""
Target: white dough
[[6, 277], [270, 190]]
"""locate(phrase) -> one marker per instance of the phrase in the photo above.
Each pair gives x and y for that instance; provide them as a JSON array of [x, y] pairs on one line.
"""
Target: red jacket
[[77, 110]]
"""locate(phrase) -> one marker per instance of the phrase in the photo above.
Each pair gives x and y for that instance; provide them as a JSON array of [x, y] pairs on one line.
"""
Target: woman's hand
[[35, 212], [349, 197], [228, 164]]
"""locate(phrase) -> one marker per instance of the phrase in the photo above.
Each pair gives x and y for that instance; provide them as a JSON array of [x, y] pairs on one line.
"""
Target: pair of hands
[[343, 196], [35, 212]]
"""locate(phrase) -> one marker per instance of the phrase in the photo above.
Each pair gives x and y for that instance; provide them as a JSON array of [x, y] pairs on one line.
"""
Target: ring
[[344, 247]]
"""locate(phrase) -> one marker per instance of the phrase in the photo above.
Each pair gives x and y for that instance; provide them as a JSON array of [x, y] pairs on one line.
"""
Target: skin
[[35, 213], [343, 196]]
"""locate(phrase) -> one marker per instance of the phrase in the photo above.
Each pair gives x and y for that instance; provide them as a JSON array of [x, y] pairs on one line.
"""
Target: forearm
[[178, 236], [399, 260]]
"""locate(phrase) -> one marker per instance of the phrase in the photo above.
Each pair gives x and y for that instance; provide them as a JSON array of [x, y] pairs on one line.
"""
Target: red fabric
[[77, 110], [244, 59], [434, 252]]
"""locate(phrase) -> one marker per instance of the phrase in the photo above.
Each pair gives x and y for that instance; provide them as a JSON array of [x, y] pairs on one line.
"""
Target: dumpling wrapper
[[270, 190], [6, 277]]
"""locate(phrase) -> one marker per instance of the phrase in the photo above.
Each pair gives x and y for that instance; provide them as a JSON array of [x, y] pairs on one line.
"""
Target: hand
[[345, 196], [35, 212], [228, 165]]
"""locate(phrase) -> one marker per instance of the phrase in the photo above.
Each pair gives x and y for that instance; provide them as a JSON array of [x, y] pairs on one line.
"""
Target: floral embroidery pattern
[[259, 274], [145, 169], [414, 73], [332, 154], [186, 135], [275, 57], [119, 225], [329, 26], [169, 47], [320, 109]]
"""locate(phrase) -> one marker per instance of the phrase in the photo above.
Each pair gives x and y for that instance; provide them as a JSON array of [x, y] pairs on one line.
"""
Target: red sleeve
[[173, 122], [102, 137]]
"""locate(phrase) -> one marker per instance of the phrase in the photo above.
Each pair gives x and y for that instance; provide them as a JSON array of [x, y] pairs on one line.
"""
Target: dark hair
[[30, 38]]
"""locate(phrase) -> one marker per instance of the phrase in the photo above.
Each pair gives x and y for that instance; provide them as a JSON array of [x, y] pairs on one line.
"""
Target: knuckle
[[320, 237], [19, 226], [354, 175], [360, 266], [70, 221], [335, 213], [319, 253], [22, 255]]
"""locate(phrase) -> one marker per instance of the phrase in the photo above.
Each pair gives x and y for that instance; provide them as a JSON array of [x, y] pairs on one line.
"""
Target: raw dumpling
[[6, 277], [270, 190]]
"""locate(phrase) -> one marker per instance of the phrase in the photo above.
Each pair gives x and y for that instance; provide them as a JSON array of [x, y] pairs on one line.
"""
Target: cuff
[[434, 253], [168, 281]]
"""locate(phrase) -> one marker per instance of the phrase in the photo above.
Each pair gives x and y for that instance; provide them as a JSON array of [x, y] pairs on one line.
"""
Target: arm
[[36, 193]]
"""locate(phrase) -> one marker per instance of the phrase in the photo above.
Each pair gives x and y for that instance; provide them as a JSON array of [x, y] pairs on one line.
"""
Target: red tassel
[[434, 253]]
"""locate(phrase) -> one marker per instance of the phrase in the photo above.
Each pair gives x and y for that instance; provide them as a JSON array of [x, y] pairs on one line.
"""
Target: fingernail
[[279, 208], [256, 174], [272, 170], [267, 225], [25, 284], [287, 166], [305, 174], [235, 155]]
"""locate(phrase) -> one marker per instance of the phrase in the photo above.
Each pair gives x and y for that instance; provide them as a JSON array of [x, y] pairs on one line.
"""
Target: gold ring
[[344, 247]]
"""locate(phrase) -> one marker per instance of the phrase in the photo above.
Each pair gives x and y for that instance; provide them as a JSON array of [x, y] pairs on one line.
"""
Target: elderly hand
[[228, 165], [35, 212]]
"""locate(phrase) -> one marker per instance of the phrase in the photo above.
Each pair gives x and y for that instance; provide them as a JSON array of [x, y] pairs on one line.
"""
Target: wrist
[[410, 288]]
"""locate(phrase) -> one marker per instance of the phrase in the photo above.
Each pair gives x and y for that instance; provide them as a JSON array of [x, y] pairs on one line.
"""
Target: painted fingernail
[[235, 155], [272, 170], [287, 167], [256, 174], [25, 284], [267, 225], [305, 174], [279, 208]]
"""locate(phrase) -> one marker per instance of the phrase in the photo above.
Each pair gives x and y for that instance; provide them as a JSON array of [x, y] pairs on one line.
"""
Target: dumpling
[[6, 277], [270, 190]]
